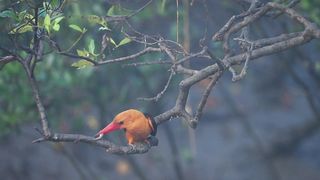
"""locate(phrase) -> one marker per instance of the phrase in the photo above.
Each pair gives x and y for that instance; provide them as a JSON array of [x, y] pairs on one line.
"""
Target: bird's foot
[[132, 146]]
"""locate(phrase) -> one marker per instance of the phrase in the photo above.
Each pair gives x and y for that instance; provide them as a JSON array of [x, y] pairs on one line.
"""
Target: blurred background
[[264, 127]]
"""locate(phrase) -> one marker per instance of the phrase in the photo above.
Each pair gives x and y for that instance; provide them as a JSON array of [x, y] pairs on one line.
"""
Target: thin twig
[[79, 57], [133, 56], [220, 64], [147, 63], [293, 3], [160, 94], [122, 18], [206, 94], [243, 72], [202, 52]]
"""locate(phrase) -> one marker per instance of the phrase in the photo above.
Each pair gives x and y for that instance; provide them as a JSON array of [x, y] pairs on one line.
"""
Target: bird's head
[[125, 120]]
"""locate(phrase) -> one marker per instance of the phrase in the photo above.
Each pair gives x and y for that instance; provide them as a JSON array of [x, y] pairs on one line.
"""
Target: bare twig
[[122, 18], [310, 28], [160, 94], [237, 77], [206, 94], [269, 41], [79, 57], [290, 5], [202, 52], [133, 56], [147, 63]]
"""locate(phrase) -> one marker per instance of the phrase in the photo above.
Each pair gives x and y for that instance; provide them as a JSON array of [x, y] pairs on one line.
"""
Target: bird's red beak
[[111, 127]]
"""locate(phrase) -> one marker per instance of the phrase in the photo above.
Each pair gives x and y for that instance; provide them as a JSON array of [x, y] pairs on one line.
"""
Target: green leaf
[[117, 10], [56, 27], [111, 11], [124, 41], [83, 53], [75, 27], [91, 46], [21, 15], [112, 42], [7, 13], [58, 19], [94, 19], [82, 64], [21, 29], [305, 4], [54, 3], [47, 22], [97, 20], [163, 5]]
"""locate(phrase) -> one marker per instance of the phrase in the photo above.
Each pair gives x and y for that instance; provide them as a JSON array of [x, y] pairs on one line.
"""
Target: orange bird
[[137, 126]]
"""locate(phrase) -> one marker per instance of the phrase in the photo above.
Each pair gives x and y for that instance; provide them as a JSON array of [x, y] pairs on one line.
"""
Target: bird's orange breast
[[138, 130]]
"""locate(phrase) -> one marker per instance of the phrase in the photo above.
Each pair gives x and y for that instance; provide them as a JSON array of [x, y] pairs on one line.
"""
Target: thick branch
[[37, 99], [79, 57], [109, 146], [210, 70], [6, 59], [269, 41], [237, 59], [206, 94]]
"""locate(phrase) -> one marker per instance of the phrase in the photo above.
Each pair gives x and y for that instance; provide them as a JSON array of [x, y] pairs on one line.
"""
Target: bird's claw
[[132, 146]]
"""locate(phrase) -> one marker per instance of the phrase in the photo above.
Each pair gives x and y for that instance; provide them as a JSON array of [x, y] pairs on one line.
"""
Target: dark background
[[265, 126]]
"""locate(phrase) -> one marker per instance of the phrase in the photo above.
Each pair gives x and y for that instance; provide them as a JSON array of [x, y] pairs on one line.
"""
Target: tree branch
[[258, 48], [206, 94], [133, 56], [160, 94], [109, 146], [38, 101]]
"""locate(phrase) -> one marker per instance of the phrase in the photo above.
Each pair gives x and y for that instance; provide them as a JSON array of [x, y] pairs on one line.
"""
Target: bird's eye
[[121, 122]]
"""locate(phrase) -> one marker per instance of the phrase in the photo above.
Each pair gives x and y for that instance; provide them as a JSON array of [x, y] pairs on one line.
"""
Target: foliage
[[71, 87], [14, 109], [66, 86], [312, 7]]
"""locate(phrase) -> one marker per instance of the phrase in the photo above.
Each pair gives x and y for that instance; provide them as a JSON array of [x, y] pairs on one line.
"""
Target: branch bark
[[38, 101]]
